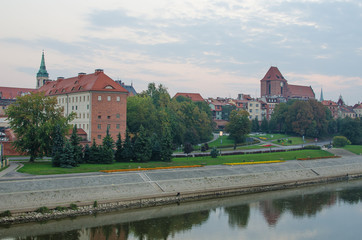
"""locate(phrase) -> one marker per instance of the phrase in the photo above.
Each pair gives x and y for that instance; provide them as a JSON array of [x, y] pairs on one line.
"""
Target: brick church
[[274, 85]]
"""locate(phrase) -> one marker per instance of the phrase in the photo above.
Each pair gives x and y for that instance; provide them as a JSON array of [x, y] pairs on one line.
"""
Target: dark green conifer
[[58, 144]]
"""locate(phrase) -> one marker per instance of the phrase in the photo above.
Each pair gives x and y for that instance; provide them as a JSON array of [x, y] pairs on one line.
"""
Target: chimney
[[81, 74], [60, 78], [97, 71]]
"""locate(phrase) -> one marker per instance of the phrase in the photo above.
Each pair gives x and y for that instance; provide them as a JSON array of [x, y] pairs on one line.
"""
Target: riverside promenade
[[21, 193]]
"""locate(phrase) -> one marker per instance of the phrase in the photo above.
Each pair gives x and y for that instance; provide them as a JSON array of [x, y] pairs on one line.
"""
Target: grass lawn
[[45, 168], [357, 149]]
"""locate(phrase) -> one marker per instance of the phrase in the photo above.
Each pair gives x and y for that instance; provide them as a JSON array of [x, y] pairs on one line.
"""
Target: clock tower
[[42, 76]]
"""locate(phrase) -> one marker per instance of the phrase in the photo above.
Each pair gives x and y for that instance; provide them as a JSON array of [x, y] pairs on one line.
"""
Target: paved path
[[36, 191]]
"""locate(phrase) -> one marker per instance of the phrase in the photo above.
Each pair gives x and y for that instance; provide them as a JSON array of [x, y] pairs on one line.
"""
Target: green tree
[[351, 129], [340, 141], [86, 155], [156, 148], [127, 154], [119, 149], [94, 156], [58, 144], [77, 148], [166, 143], [33, 118], [142, 146], [106, 150], [238, 126], [255, 125], [264, 126], [67, 156], [188, 148]]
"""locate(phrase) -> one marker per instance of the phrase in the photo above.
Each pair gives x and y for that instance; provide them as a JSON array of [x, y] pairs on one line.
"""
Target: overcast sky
[[217, 48]]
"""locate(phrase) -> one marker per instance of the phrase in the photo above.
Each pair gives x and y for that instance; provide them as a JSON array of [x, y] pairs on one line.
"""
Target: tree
[[106, 150], [58, 144], [166, 143], [264, 126], [351, 129], [119, 149], [156, 148], [188, 148], [77, 148], [127, 154], [86, 155], [67, 156], [33, 118], [238, 126], [340, 141], [142, 146], [94, 156], [255, 125]]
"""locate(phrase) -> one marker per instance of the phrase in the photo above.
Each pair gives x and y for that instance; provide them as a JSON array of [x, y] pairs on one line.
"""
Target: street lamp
[[220, 134]]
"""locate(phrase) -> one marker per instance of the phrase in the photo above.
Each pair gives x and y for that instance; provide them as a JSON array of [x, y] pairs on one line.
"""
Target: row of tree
[[188, 121]]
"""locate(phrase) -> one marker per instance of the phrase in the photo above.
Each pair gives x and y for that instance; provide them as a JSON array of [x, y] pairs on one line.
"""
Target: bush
[[340, 141], [73, 206], [312, 147], [214, 153], [42, 210], [60, 209], [95, 204], [6, 213]]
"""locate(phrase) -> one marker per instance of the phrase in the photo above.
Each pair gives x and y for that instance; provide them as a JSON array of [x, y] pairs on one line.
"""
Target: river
[[332, 211]]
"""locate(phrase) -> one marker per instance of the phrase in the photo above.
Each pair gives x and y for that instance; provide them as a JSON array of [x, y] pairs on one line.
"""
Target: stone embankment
[[104, 192]]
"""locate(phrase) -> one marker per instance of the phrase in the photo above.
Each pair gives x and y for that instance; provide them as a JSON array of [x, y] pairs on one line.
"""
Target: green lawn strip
[[269, 137], [295, 141], [225, 141], [45, 168], [357, 149]]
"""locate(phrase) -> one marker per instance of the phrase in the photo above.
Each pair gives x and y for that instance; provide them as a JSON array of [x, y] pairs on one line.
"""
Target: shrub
[[6, 213], [73, 206], [42, 210], [61, 209], [312, 147], [214, 153], [340, 141], [95, 204]]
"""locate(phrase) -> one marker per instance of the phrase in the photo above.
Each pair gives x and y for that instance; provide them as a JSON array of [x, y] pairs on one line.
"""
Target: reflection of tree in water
[[70, 235], [305, 205], [238, 215], [161, 228], [110, 232], [271, 213], [351, 196]]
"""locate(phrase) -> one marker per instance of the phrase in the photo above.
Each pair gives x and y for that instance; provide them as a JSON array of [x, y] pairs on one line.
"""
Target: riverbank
[[144, 189]]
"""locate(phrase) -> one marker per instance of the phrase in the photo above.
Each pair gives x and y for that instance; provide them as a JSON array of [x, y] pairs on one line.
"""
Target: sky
[[218, 48]]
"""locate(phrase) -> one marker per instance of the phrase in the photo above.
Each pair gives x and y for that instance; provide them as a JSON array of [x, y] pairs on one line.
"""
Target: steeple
[[42, 76], [321, 99]]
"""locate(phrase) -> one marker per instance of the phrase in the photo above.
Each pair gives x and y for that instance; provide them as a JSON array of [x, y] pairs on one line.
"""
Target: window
[[99, 98], [99, 116], [76, 107], [108, 117], [88, 106], [257, 105], [117, 126], [251, 110], [108, 126], [88, 98], [99, 126], [83, 98], [118, 99], [118, 115], [72, 99], [72, 107], [99, 136], [87, 126], [76, 99], [87, 115], [250, 104], [108, 98]]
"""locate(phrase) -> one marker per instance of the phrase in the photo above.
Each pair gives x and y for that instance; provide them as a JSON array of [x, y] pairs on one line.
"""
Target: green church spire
[[42, 70], [321, 98]]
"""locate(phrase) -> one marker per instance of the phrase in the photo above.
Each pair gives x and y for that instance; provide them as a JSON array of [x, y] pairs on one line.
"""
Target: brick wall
[[107, 112]]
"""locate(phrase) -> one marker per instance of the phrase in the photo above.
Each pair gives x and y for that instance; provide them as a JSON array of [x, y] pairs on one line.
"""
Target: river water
[[332, 211]]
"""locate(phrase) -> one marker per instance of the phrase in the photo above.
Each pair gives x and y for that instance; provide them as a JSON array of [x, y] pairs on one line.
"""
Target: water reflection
[[172, 221]]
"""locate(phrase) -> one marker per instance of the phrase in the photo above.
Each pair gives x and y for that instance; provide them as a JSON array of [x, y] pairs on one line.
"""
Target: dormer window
[[72, 89], [76, 82], [50, 92], [109, 87], [80, 88], [63, 90]]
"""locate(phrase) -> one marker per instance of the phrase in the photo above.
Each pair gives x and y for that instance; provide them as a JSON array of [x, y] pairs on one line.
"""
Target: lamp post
[[220, 134]]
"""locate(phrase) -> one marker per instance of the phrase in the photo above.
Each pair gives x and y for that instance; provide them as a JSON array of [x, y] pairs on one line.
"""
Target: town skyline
[[215, 48]]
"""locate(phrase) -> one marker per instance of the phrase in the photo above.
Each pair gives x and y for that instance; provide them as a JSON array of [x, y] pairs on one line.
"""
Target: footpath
[[23, 193]]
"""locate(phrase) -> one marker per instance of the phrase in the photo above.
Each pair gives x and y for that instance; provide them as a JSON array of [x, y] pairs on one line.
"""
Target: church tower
[[273, 84], [42, 76], [321, 98]]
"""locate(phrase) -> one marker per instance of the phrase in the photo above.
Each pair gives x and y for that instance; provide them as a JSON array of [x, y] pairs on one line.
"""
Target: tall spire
[[42, 70], [42, 76], [321, 99]]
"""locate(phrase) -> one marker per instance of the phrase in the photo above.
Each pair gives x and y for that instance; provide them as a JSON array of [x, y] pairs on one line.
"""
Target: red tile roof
[[273, 74], [300, 91], [329, 103], [97, 81], [196, 97], [12, 93]]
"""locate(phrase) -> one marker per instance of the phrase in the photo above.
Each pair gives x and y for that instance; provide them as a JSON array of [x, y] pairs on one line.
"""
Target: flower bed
[[144, 169], [266, 145], [260, 162], [318, 158]]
